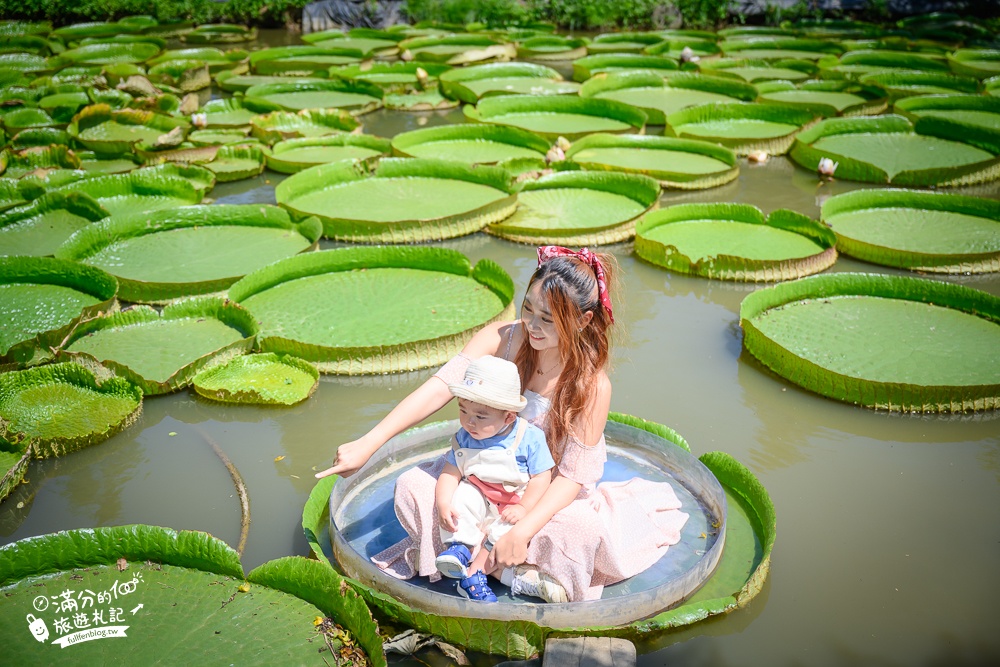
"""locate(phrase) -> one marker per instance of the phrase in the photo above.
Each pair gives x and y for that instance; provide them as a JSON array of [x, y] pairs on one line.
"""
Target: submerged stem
[[241, 489]]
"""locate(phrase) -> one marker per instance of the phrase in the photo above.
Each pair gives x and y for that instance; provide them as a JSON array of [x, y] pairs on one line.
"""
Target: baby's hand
[[513, 513], [449, 517]]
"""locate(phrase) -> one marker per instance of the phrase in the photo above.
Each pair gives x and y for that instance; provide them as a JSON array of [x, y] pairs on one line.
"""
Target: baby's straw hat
[[491, 381]]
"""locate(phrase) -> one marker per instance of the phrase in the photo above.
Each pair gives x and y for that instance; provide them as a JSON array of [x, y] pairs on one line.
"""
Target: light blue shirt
[[532, 454]]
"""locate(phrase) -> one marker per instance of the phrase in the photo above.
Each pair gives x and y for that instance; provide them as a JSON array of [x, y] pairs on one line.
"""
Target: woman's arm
[[424, 401]]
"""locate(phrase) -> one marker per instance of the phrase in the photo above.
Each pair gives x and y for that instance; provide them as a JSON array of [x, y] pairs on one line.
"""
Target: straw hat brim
[[470, 393]]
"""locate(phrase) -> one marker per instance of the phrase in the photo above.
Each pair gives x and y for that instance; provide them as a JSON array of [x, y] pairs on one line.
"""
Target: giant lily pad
[[190, 594], [744, 128], [374, 310], [584, 68], [266, 379], [470, 84], [506, 629], [974, 118], [189, 250], [659, 98], [457, 49], [235, 60], [684, 164], [886, 342], [558, 115], [103, 130], [26, 117], [370, 42], [779, 48], [753, 71], [356, 96], [294, 155], [904, 84], [239, 83], [622, 42], [979, 63], [219, 33], [681, 47], [106, 53], [16, 164], [228, 113], [148, 189], [280, 125], [471, 144], [162, 351], [396, 77], [855, 64], [39, 228], [579, 208], [921, 231], [826, 98], [403, 201], [301, 59], [237, 162], [548, 48], [735, 242], [888, 149], [43, 299], [182, 75], [56, 409]]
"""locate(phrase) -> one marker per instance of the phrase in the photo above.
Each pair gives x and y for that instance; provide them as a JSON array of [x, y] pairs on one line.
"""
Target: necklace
[[549, 369]]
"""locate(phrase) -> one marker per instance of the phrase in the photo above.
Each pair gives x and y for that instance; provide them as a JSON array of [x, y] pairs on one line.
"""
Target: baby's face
[[482, 421]]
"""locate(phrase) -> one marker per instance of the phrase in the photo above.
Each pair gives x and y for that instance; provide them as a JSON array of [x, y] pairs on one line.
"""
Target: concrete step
[[588, 652]]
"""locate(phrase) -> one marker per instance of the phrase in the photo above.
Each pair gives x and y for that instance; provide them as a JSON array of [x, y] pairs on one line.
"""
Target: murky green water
[[888, 525]]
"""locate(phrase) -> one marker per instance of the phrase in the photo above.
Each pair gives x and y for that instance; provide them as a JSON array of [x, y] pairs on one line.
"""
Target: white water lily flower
[[826, 166], [758, 156], [563, 143], [688, 56], [199, 119], [422, 77], [555, 154]]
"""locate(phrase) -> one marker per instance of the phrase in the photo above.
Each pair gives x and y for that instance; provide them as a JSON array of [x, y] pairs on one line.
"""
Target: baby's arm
[[532, 493], [444, 491]]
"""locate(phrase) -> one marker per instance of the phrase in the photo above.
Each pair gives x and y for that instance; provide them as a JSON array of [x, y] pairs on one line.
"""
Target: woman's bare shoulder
[[491, 339]]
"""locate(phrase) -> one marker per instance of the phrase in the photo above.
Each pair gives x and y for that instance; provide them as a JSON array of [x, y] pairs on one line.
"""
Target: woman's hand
[[510, 550], [350, 457]]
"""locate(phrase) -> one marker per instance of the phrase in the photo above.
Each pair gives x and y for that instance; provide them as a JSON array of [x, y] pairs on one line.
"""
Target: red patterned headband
[[547, 252]]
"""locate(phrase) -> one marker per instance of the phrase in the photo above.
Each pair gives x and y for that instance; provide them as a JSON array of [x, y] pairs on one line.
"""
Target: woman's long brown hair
[[570, 287]]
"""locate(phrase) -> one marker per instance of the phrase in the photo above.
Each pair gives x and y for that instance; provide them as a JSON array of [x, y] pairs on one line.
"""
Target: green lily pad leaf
[[40, 227], [549, 48], [43, 299], [368, 41], [13, 466], [398, 77], [148, 189], [237, 162], [979, 63], [920, 231], [63, 106], [735, 242], [78, 31], [91, 163], [777, 48], [403, 201], [904, 84], [558, 115], [885, 342], [456, 49], [106, 53], [975, 118], [470, 84], [280, 125], [25, 118], [239, 83], [743, 127], [219, 33], [471, 144], [307, 60], [738, 577], [162, 352], [110, 132], [341, 309], [56, 409], [754, 71], [18, 163], [622, 42], [579, 208], [888, 149], [179, 591], [659, 98], [684, 164], [418, 100], [183, 75], [358, 97], [826, 98], [855, 64], [589, 66], [191, 250], [23, 62], [266, 379], [14, 193], [235, 60], [294, 155], [220, 137], [684, 47]]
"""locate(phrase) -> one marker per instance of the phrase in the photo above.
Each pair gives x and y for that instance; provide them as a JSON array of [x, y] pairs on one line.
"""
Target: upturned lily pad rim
[[404, 229], [67, 374], [776, 113], [529, 49], [874, 100], [734, 267], [201, 307], [276, 162], [247, 394], [97, 114], [238, 83], [736, 478], [267, 127], [853, 168], [381, 358], [138, 543], [77, 203], [901, 83], [959, 62], [95, 237], [489, 107], [874, 199], [277, 53], [453, 83], [675, 179], [506, 134], [263, 91], [588, 66], [892, 396], [818, 46], [50, 271], [362, 72]]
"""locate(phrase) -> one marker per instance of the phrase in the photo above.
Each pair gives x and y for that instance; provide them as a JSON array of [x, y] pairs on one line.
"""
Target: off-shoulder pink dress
[[609, 532]]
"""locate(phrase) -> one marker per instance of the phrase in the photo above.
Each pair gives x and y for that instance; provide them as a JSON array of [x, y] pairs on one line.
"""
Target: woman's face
[[537, 319]]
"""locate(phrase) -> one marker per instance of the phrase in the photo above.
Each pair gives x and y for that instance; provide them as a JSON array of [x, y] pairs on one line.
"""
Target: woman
[[573, 541]]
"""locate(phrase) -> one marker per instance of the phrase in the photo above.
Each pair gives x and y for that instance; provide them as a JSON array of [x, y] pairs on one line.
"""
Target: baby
[[498, 467]]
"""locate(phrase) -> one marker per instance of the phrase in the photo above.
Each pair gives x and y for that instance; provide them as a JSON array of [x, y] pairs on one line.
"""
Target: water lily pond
[[886, 491]]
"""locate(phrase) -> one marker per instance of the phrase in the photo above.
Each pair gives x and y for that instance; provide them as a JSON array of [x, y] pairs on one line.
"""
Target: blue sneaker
[[454, 561], [475, 587]]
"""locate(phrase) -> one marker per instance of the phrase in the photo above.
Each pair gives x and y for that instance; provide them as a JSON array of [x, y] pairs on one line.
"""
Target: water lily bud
[[688, 56], [826, 166], [406, 55], [422, 78], [758, 156], [563, 143], [199, 119], [555, 154]]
